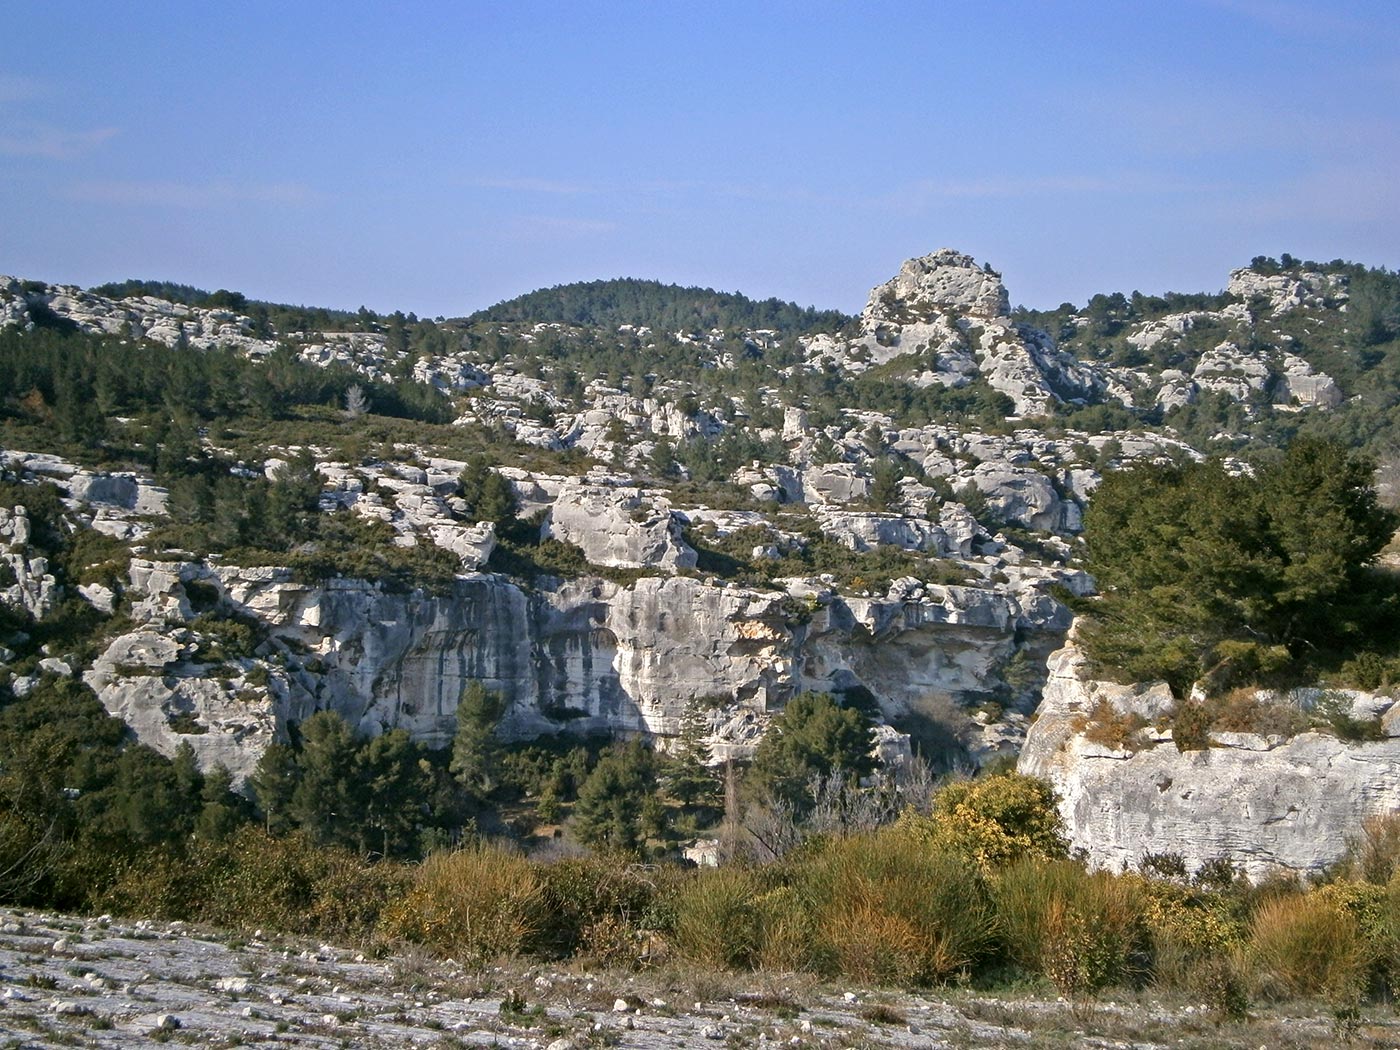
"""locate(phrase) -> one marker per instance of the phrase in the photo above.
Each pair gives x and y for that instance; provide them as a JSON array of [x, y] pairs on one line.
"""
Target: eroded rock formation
[[1266, 803]]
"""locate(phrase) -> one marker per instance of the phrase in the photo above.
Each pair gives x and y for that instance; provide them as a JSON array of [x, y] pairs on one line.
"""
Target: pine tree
[[611, 807], [688, 777], [475, 749], [489, 496], [292, 499], [222, 812], [274, 783], [814, 736], [325, 803], [393, 782]]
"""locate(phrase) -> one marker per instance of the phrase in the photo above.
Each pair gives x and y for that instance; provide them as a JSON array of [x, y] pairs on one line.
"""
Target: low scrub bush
[[255, 880], [1333, 712], [1107, 726], [1308, 945], [1370, 671], [1374, 854], [596, 905], [475, 904], [1082, 930], [789, 940], [717, 922], [1189, 929], [1239, 711], [893, 910]]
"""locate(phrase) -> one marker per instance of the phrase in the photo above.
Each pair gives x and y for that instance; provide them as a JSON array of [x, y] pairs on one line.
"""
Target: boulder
[[618, 527], [835, 483], [862, 532], [1026, 497]]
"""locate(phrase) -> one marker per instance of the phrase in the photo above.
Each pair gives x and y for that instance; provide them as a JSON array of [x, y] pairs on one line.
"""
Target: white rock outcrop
[[617, 527], [28, 585], [1285, 291], [1265, 803], [943, 280]]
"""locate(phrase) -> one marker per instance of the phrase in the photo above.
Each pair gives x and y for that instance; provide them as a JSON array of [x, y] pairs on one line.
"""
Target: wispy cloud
[[926, 192], [1356, 194], [1008, 186], [52, 143], [192, 196]]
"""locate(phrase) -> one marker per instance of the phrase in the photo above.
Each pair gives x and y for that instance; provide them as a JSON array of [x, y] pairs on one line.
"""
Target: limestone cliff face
[[587, 655], [1267, 803]]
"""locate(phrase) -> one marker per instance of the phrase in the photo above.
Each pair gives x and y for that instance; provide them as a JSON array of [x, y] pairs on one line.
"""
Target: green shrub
[[994, 820], [1333, 711], [717, 923], [1196, 939], [255, 880], [1369, 670], [595, 905], [789, 940]]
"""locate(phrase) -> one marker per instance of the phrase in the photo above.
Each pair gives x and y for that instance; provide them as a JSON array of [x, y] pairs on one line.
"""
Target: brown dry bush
[[1107, 726], [1082, 930], [892, 909], [475, 904], [1308, 945], [873, 946], [1242, 711], [1374, 854]]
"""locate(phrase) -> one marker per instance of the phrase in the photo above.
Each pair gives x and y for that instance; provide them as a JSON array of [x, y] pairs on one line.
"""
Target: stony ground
[[100, 983]]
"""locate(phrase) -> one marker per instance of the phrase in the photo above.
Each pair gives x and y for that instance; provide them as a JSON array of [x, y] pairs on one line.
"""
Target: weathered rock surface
[[617, 527], [588, 655], [591, 654], [1021, 496], [1285, 291], [27, 584], [1266, 803], [945, 279]]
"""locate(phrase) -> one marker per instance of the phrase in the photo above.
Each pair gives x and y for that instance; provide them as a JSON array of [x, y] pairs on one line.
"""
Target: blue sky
[[441, 157]]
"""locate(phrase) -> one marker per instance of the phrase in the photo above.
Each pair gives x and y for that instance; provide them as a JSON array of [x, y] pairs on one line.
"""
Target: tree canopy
[[1205, 570], [814, 736], [665, 307]]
